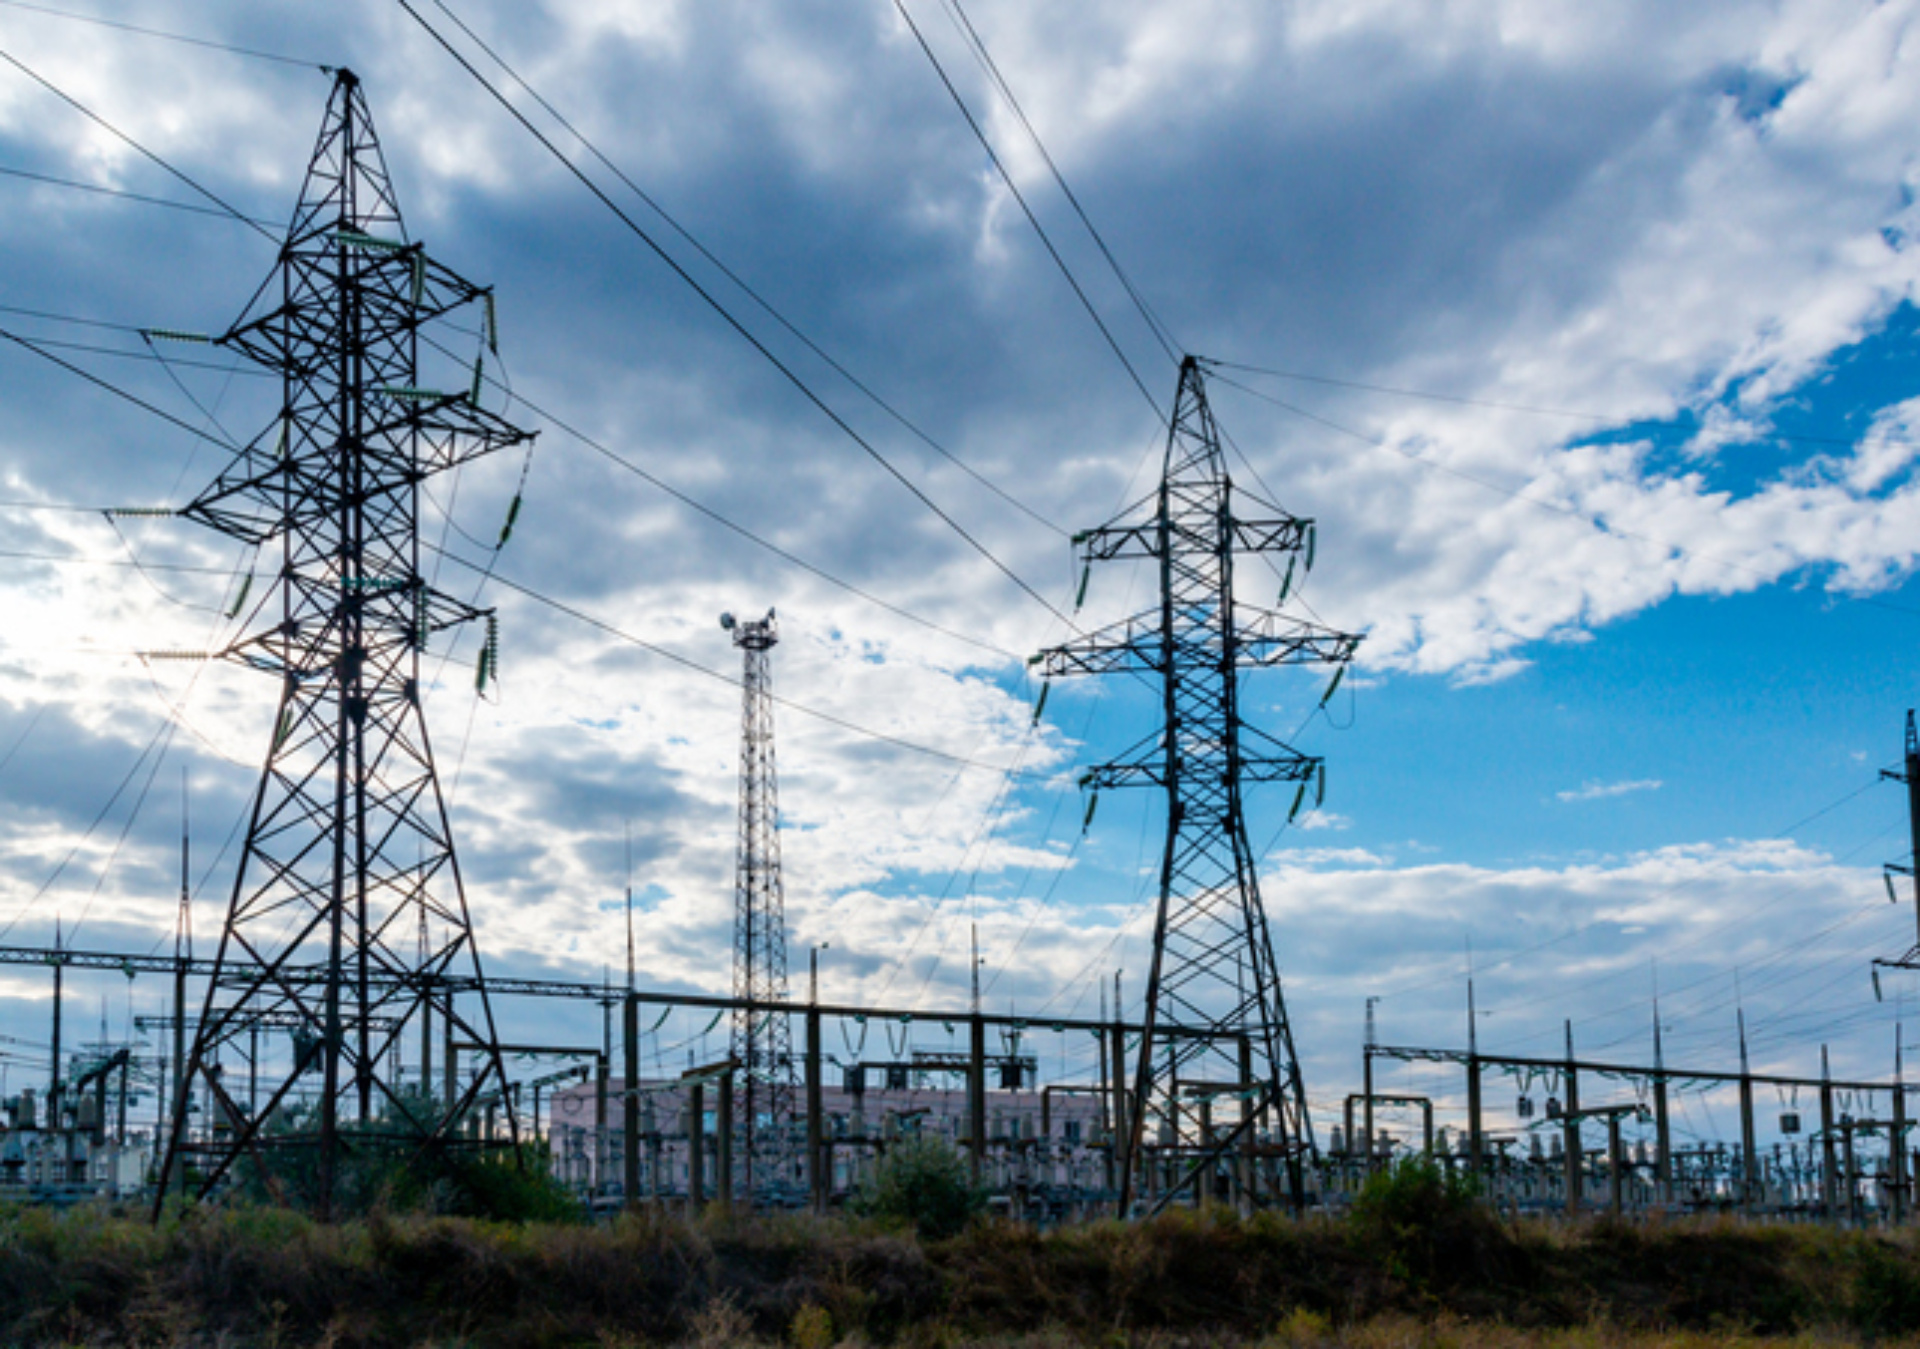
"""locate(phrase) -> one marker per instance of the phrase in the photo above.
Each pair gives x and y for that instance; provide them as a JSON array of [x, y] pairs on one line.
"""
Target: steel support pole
[[1662, 1138], [1476, 1130], [1366, 1087], [56, 1091], [1613, 1162], [977, 1094], [1570, 1140], [450, 1056], [723, 1138], [426, 1047], [1897, 1158], [817, 1178], [696, 1121], [630, 1102], [1121, 1155], [601, 1071], [1829, 1196], [177, 1124], [1749, 1157]]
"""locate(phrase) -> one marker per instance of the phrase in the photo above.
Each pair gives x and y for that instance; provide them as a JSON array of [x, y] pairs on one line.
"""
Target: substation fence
[[1567, 1152]]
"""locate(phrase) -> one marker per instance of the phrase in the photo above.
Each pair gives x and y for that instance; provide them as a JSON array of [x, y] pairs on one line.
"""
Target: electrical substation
[[344, 1019]]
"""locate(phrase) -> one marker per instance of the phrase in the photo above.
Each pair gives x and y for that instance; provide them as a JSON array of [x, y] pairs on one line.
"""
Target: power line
[[686, 662], [91, 378], [713, 302], [694, 504], [1027, 210], [1159, 330], [209, 43], [122, 136], [142, 198], [741, 282]]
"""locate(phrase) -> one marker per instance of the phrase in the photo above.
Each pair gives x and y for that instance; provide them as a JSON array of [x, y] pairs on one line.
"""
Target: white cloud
[[1599, 791]]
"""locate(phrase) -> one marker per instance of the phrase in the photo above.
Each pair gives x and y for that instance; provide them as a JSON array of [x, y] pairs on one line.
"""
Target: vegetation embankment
[[1419, 1263]]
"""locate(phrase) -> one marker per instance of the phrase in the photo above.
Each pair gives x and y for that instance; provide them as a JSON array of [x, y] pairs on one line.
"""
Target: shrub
[[1424, 1223], [922, 1181]]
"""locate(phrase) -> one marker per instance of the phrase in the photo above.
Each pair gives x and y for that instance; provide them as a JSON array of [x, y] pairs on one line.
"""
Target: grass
[[1448, 1275]]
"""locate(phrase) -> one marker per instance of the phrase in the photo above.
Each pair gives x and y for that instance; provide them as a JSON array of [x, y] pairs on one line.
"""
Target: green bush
[[1424, 1223], [922, 1181]]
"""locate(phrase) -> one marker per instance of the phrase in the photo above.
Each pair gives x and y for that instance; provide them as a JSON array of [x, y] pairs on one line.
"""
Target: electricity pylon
[[348, 850], [1908, 773], [1216, 1067], [762, 1042]]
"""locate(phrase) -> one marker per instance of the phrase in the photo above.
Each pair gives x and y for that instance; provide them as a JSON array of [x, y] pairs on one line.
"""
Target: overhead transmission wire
[[687, 662], [76, 185], [254, 52], [747, 289], [1161, 333], [746, 334], [123, 137], [236, 214], [1032, 219]]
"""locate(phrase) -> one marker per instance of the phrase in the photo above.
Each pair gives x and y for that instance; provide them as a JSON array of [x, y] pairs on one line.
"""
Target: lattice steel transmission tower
[[1909, 774], [762, 1042], [1216, 1067], [348, 850]]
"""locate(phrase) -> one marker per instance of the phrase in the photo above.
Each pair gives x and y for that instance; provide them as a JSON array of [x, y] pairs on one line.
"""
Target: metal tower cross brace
[[1213, 969], [348, 856], [762, 1042]]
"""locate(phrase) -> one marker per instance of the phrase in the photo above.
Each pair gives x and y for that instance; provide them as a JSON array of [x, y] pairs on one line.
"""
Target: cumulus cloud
[[1619, 242]]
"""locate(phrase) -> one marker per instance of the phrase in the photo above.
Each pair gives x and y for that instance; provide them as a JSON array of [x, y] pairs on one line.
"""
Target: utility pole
[[762, 1042], [348, 832], [1214, 974]]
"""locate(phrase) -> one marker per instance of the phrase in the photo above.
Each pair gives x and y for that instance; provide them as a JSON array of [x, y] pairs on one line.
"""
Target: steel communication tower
[[762, 1042], [348, 857], [1216, 1066]]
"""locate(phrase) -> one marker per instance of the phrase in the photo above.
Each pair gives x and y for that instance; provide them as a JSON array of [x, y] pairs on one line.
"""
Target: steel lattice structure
[[762, 1044], [1909, 774], [348, 858], [1230, 1072]]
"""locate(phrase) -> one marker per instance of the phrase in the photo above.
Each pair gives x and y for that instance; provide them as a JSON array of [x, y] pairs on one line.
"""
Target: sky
[[1587, 334]]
